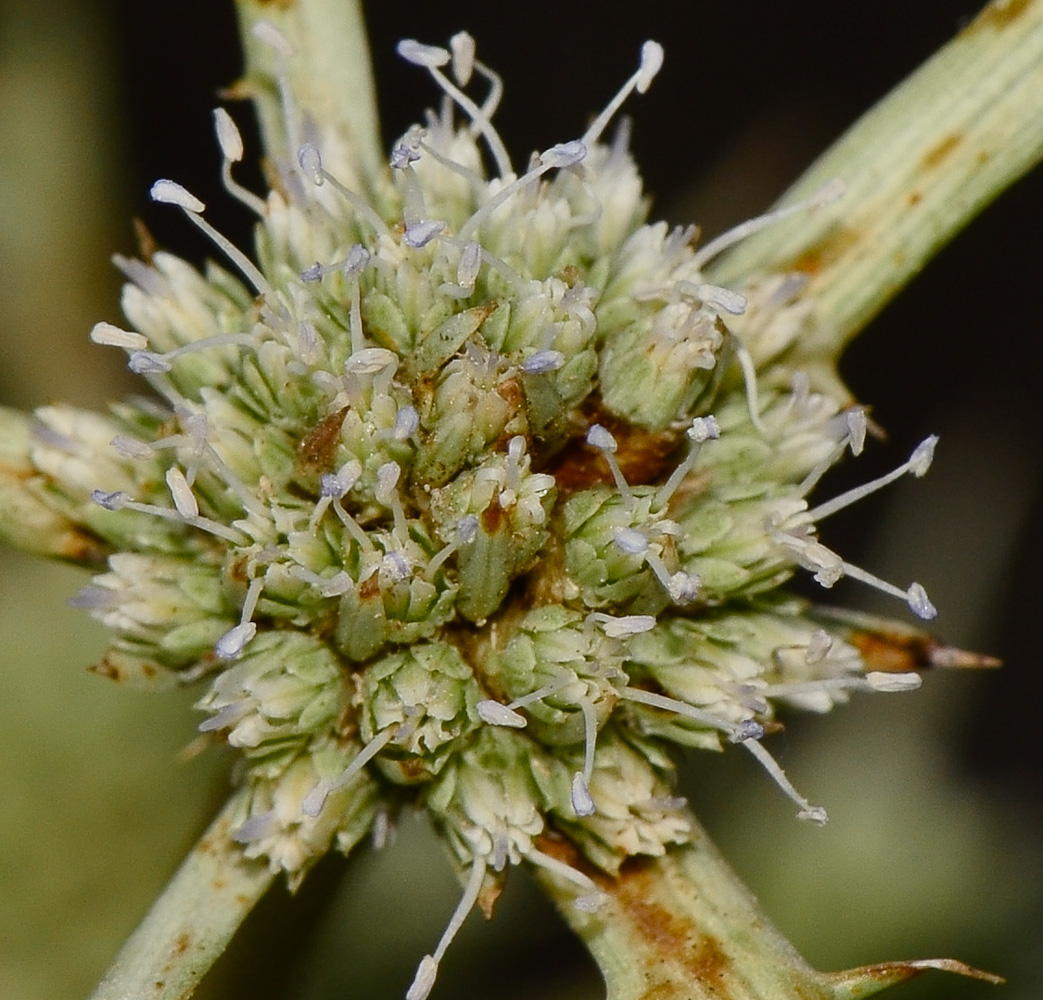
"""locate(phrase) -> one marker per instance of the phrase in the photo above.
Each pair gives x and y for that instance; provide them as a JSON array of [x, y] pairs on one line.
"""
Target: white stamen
[[749, 378], [232, 643], [315, 799], [184, 499], [309, 159], [495, 714], [565, 154], [563, 871], [310, 162], [651, 63], [893, 683], [370, 361], [431, 58], [407, 420], [813, 814], [819, 645], [702, 429], [542, 362], [428, 56], [917, 599], [171, 193], [630, 540], [651, 60], [827, 194], [920, 460], [582, 803], [110, 501], [617, 628], [426, 973], [309, 346], [112, 336], [467, 528], [601, 438], [470, 262], [119, 500], [402, 156], [395, 567], [387, 479], [856, 429], [421, 233], [918, 464], [463, 49], [228, 136], [750, 729], [129, 447], [721, 299]]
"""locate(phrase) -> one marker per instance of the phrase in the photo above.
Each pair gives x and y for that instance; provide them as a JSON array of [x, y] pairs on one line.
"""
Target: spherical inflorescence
[[471, 490]]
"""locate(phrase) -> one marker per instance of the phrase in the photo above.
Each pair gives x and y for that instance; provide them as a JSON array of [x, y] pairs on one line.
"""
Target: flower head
[[467, 488]]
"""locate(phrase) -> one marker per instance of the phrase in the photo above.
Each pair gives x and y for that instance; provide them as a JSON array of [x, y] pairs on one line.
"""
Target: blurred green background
[[934, 845]]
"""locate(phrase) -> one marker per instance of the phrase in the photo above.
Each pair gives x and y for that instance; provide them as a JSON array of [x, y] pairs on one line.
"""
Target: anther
[[232, 643], [601, 438], [701, 430], [466, 532], [170, 193], [112, 336], [309, 159], [463, 50], [918, 464], [427, 971], [432, 58], [231, 143], [625, 625], [651, 62], [542, 362], [315, 799]]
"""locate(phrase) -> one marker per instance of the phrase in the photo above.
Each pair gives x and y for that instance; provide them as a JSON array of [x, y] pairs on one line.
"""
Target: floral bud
[[427, 693]]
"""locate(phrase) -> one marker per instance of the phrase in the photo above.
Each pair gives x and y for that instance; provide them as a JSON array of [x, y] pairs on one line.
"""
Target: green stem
[[684, 927], [191, 923], [329, 75], [918, 167]]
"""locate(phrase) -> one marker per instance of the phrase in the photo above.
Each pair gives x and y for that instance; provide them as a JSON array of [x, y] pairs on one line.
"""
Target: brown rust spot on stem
[[818, 257], [998, 15], [940, 152]]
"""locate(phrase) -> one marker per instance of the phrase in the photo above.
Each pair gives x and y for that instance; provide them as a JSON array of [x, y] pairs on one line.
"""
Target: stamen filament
[[427, 971]]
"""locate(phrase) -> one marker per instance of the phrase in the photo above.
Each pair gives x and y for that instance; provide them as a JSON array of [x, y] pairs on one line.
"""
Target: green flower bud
[[273, 824], [572, 667], [285, 690], [487, 801], [426, 696], [637, 811], [511, 506]]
